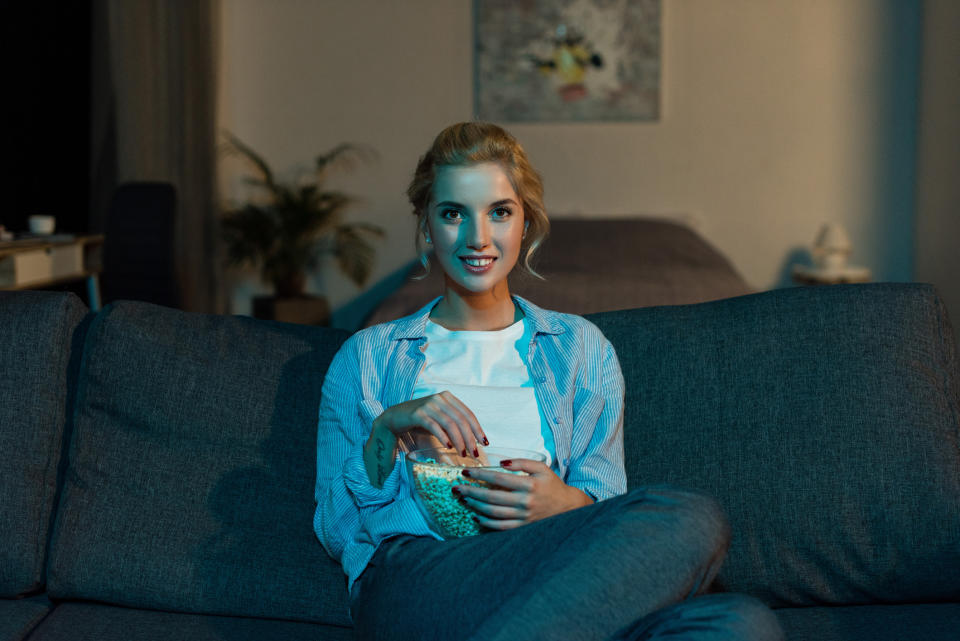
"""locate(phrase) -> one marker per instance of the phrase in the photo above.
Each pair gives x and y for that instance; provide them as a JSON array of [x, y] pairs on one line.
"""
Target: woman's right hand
[[443, 415]]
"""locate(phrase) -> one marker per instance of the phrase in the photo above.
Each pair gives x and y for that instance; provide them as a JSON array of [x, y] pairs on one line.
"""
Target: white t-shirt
[[487, 370]]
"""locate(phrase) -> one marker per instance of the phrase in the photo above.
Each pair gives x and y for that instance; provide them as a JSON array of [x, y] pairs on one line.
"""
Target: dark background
[[46, 57]]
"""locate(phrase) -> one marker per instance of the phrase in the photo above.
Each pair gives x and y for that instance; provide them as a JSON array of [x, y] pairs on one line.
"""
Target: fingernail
[[475, 453], [449, 444], [485, 441], [507, 462], [456, 490], [466, 473], [464, 453]]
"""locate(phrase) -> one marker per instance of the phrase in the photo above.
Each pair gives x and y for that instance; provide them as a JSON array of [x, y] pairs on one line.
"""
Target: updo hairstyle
[[470, 143]]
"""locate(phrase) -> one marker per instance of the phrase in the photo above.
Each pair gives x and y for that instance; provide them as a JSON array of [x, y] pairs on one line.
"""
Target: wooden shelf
[[38, 261]]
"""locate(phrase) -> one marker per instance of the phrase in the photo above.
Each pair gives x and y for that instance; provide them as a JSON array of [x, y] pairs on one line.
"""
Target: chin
[[474, 285]]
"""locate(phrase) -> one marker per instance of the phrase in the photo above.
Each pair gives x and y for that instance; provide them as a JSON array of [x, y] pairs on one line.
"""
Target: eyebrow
[[451, 203]]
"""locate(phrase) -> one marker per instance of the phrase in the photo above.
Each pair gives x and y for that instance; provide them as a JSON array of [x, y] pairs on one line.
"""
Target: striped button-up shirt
[[578, 384]]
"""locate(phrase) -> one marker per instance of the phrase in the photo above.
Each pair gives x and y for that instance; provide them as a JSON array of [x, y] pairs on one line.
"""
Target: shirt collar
[[414, 326]]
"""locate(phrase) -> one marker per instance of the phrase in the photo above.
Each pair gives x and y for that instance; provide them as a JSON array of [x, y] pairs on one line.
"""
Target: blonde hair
[[469, 143]]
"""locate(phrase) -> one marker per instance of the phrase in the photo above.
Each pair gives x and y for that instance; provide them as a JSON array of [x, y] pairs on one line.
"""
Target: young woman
[[475, 367]]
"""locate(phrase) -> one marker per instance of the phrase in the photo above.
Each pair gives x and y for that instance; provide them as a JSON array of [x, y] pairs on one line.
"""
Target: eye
[[451, 214], [501, 213]]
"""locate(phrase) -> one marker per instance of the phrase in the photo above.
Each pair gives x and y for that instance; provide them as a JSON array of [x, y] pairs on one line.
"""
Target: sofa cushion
[[19, 616], [192, 468], [923, 622], [36, 343], [95, 622], [826, 422]]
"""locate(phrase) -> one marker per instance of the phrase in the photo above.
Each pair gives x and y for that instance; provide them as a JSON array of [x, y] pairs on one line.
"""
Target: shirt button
[[542, 379], [556, 419]]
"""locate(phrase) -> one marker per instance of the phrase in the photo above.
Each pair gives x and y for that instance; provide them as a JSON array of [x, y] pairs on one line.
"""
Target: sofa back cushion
[[192, 468], [37, 333], [826, 422]]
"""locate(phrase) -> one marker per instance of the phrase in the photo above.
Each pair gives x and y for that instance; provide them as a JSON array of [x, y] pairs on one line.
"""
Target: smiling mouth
[[477, 262]]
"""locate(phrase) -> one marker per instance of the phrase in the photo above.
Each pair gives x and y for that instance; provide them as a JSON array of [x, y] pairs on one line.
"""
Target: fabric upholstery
[[95, 622], [921, 622], [192, 466], [826, 422], [18, 617], [36, 344], [593, 265]]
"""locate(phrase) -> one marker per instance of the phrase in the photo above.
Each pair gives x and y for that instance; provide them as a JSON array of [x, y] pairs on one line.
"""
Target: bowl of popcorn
[[435, 471]]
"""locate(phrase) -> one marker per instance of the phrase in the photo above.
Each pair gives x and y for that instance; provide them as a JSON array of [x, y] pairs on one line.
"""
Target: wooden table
[[41, 261]]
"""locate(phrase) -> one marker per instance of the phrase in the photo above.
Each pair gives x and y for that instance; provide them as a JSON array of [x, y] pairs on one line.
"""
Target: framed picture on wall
[[566, 60]]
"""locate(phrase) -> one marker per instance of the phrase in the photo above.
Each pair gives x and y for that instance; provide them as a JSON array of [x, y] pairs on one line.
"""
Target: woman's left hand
[[518, 499]]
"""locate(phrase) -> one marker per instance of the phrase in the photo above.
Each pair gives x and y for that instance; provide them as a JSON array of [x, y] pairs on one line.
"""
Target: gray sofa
[[158, 466]]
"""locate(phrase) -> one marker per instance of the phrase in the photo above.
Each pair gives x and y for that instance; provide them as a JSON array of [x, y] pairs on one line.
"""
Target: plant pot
[[304, 310]]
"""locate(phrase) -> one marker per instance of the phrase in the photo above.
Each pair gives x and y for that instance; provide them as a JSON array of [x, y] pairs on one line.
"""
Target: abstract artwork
[[566, 60]]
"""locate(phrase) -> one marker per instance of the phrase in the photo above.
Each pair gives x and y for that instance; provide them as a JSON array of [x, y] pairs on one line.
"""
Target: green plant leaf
[[286, 235], [354, 252], [343, 155], [249, 234], [235, 145]]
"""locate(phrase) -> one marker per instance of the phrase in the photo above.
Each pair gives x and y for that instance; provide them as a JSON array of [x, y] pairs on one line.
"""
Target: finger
[[498, 524], [465, 421], [503, 480], [508, 499], [435, 428], [457, 424], [494, 511], [477, 433], [450, 433], [525, 465]]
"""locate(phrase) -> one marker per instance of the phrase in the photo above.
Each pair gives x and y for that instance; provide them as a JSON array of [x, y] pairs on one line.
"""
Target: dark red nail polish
[[485, 441], [449, 444], [464, 452], [456, 490], [466, 473], [475, 452], [506, 463]]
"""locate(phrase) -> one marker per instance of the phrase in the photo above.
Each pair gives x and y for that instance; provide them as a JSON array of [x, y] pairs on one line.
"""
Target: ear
[[425, 229]]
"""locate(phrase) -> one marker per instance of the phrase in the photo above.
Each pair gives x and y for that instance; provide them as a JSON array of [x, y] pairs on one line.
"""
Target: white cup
[[42, 224]]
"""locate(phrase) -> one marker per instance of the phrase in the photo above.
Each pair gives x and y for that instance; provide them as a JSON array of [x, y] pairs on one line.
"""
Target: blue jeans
[[629, 568]]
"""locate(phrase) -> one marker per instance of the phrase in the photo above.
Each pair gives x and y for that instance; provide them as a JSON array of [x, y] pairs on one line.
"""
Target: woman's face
[[476, 225]]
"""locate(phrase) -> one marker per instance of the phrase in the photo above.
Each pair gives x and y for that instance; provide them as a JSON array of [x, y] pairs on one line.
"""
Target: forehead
[[481, 183]]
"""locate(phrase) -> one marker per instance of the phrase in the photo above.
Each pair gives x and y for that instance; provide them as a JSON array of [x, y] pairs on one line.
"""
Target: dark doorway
[[46, 56]]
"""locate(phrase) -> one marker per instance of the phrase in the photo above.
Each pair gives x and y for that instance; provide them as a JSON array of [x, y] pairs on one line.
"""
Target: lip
[[477, 270]]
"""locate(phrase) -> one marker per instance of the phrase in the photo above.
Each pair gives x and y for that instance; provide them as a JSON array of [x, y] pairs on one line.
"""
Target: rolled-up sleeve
[[598, 413], [343, 491]]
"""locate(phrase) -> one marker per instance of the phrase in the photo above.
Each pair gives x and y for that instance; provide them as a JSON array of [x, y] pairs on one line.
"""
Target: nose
[[478, 234]]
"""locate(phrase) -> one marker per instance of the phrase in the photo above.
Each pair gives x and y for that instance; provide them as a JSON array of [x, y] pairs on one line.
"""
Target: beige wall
[[938, 186], [772, 121]]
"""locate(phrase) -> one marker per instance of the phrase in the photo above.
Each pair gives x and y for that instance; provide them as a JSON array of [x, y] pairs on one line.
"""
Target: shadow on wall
[[797, 256]]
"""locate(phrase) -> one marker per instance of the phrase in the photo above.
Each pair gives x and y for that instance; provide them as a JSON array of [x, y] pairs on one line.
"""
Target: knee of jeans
[[697, 516], [746, 617]]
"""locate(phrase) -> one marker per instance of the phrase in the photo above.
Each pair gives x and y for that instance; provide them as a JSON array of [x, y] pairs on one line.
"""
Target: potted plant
[[287, 230]]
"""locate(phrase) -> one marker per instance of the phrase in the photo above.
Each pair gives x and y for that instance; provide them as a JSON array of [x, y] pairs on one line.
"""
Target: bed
[[594, 265]]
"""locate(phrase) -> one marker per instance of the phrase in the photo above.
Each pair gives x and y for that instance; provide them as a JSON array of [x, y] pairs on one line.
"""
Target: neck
[[473, 311]]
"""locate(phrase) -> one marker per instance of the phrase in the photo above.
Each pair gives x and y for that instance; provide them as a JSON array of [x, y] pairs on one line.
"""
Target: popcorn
[[450, 513], [447, 513]]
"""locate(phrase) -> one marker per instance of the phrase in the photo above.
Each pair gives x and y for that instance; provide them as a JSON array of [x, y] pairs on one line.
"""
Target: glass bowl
[[434, 472]]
